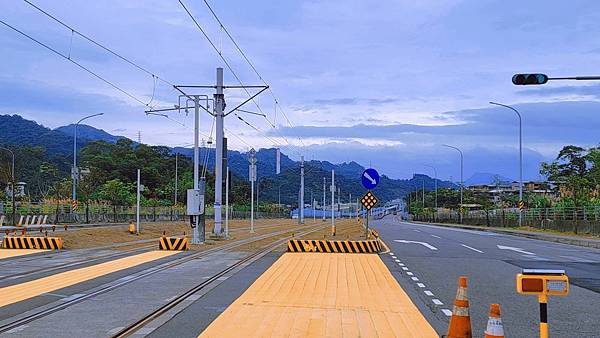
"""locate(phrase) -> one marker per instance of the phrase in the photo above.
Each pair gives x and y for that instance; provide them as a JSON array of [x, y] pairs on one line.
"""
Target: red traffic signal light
[[529, 79]]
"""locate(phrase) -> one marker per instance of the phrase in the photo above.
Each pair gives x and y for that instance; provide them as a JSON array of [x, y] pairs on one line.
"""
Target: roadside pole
[[196, 216], [137, 209], [301, 206], [227, 204], [332, 202], [323, 206], [219, 116], [252, 177]]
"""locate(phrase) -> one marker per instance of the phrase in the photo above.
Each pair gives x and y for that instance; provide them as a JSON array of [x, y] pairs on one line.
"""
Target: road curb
[[588, 243]]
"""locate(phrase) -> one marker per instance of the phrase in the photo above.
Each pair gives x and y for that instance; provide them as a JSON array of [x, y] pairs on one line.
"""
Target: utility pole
[[332, 202], [339, 206], [195, 232], [219, 106], [137, 209], [176, 178], [252, 176], [323, 206], [14, 211], [301, 206], [227, 203]]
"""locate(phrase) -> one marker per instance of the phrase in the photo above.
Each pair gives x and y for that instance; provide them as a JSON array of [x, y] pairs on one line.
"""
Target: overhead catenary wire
[[98, 76], [223, 28]]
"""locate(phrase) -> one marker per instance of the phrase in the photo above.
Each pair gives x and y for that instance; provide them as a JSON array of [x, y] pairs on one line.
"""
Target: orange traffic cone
[[460, 322], [494, 325]]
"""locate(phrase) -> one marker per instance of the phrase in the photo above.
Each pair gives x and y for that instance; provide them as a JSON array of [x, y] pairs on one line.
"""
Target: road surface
[[429, 260]]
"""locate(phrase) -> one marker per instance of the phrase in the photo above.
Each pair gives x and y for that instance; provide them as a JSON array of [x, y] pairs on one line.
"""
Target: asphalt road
[[429, 273]]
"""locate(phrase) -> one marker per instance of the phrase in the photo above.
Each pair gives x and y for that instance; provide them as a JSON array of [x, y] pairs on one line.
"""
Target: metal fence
[[578, 220], [102, 213]]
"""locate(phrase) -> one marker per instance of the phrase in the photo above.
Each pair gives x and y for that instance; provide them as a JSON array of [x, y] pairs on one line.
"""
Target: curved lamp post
[[461, 177], [520, 155], [74, 172]]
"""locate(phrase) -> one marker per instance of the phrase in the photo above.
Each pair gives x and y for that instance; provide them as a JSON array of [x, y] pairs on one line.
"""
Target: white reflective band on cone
[[494, 327], [460, 311], [461, 293]]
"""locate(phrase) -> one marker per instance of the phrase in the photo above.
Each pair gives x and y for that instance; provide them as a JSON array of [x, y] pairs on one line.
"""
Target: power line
[[251, 66], [75, 31], [76, 63]]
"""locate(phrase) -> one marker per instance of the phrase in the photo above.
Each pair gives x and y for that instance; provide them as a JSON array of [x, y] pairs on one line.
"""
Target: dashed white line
[[415, 279], [421, 285], [436, 236], [401, 264], [397, 260], [410, 273], [437, 301], [394, 257], [471, 248], [429, 293], [391, 253], [447, 312], [404, 268]]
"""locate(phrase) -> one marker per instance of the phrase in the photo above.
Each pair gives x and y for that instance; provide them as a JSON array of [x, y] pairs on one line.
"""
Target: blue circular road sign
[[370, 178]]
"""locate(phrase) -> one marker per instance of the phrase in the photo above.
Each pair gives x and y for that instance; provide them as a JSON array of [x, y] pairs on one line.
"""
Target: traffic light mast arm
[[584, 78], [539, 79]]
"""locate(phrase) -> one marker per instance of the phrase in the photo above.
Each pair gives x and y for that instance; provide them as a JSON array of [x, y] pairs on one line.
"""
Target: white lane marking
[[394, 257], [415, 230], [404, 268], [425, 244], [447, 312], [436, 236], [429, 293], [577, 259], [439, 227], [17, 329], [415, 279], [391, 253], [471, 248], [519, 250], [397, 260], [437, 301], [401, 264], [410, 273], [421, 285]]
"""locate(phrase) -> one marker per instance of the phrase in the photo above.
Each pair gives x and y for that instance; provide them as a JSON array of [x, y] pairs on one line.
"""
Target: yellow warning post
[[323, 295]]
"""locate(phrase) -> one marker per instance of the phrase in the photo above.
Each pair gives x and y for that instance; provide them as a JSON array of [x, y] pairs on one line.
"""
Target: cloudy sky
[[384, 83]]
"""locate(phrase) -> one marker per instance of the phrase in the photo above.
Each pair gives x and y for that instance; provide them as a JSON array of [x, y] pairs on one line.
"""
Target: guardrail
[[578, 220]]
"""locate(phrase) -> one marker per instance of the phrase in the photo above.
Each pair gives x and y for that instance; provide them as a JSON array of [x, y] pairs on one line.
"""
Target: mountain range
[[17, 131]]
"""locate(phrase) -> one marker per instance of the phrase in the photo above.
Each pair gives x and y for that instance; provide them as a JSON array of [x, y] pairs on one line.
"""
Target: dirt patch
[[104, 236]]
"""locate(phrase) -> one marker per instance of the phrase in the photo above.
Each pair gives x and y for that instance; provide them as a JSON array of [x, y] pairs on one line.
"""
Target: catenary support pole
[[333, 230], [227, 182], [137, 209], [219, 117], [301, 204], [195, 230]]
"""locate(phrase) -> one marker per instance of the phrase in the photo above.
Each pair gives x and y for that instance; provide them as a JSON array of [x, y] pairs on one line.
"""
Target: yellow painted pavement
[[323, 295], [7, 253], [19, 292]]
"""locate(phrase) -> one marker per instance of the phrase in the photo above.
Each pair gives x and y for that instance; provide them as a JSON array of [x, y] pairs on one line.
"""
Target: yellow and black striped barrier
[[310, 245], [31, 242], [174, 243]]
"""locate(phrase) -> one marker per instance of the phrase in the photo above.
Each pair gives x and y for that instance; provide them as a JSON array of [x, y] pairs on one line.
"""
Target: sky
[[382, 83]]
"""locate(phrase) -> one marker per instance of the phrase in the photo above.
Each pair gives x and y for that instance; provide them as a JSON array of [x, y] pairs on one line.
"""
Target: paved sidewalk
[[565, 239]]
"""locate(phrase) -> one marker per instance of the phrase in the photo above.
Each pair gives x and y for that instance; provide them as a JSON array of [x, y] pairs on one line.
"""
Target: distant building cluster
[[498, 191]]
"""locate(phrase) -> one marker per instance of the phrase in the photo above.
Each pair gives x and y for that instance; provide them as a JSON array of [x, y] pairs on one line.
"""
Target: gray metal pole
[[195, 230], [219, 105], [176, 164], [14, 214], [252, 207], [333, 200], [301, 206], [323, 206], [137, 209], [520, 156], [461, 178], [74, 171], [227, 203]]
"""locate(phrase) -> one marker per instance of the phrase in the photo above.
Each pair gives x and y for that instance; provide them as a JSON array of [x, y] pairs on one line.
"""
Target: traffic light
[[529, 79]]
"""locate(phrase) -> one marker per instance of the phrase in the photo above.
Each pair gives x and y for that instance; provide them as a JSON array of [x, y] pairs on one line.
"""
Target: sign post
[[543, 283], [370, 179]]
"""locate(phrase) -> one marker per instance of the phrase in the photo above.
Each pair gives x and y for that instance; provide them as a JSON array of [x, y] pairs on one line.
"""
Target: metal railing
[[585, 220]]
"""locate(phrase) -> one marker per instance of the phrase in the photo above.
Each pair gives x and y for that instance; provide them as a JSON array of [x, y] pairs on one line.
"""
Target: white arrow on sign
[[502, 247], [367, 176], [425, 244]]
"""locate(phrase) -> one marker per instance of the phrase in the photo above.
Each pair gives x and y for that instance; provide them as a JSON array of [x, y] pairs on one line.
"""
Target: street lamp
[[520, 156], [13, 185], [461, 177], [435, 182], [74, 172]]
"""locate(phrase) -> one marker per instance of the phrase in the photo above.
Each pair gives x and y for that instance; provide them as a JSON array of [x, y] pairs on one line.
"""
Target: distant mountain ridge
[[59, 142], [486, 179]]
